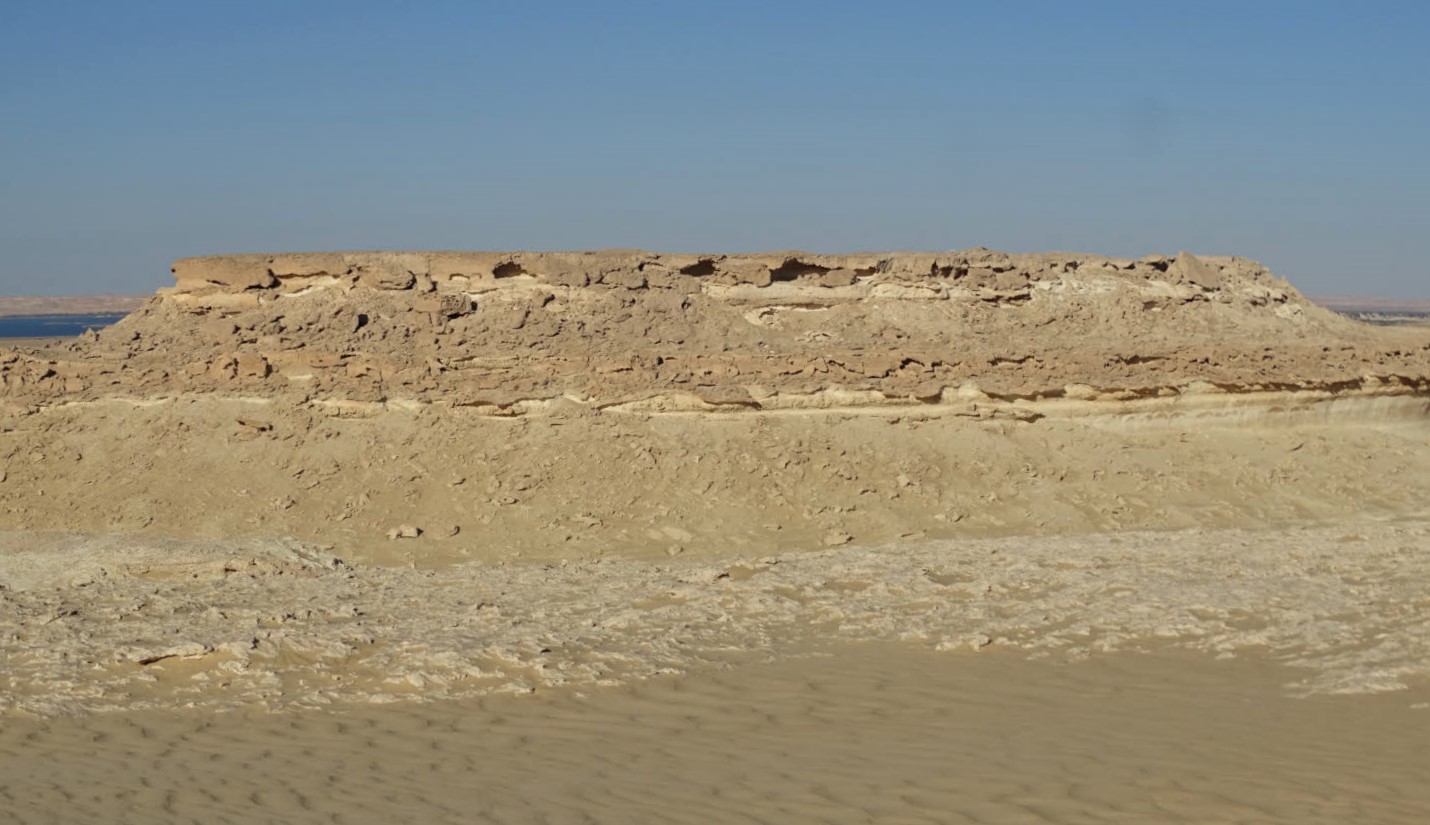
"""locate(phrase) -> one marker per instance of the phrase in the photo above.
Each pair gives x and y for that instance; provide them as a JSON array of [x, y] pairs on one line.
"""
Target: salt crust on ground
[[104, 623]]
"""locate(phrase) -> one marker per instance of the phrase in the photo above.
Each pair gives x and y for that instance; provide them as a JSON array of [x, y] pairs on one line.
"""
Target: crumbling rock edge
[[638, 269]]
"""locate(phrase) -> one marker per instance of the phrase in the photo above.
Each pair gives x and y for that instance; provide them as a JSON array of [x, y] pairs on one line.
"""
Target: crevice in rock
[[793, 269], [510, 269], [700, 269]]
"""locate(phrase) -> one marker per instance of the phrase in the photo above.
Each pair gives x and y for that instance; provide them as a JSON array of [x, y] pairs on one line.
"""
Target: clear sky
[[132, 133]]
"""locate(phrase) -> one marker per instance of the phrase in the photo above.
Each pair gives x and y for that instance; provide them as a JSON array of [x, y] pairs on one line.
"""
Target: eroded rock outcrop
[[553, 405], [501, 331]]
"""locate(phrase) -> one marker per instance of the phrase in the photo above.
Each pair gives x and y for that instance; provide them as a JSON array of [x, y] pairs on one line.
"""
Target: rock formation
[[559, 405], [303, 478], [509, 332]]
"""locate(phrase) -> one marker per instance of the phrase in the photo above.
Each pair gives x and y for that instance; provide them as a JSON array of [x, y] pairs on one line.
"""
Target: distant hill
[[1380, 311], [69, 304], [1350, 304]]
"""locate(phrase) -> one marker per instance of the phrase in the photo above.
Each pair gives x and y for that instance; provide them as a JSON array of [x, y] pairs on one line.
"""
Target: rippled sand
[[872, 733]]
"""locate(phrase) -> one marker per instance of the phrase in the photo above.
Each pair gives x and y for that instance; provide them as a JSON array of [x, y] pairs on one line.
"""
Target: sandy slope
[[583, 485]]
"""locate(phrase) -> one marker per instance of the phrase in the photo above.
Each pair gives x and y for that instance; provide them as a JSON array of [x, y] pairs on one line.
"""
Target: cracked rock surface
[[279, 625]]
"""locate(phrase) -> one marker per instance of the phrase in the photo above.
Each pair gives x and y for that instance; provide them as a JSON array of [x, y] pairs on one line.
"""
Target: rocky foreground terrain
[[255, 484]]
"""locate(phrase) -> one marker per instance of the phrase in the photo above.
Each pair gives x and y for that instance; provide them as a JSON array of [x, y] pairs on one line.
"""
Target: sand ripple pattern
[[876, 733], [106, 623]]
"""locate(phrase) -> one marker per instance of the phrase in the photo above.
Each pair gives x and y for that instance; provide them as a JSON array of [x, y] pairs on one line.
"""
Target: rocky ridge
[[513, 333]]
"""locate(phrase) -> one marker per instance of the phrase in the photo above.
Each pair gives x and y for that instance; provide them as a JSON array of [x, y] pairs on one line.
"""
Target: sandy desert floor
[[1188, 676], [857, 733]]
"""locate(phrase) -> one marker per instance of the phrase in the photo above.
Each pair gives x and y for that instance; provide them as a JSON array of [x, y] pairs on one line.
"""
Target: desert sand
[[882, 733], [442, 495]]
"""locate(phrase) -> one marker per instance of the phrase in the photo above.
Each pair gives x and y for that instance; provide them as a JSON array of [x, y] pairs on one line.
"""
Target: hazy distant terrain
[[1351, 303], [1383, 311], [69, 304]]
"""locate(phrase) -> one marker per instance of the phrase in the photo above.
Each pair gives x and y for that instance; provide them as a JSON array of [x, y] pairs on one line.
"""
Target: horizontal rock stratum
[[977, 269]]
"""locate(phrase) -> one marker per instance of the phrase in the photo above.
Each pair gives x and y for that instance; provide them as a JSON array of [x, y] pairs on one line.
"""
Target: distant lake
[[52, 326]]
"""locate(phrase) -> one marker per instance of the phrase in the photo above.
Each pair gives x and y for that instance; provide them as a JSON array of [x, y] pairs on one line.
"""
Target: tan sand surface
[[582, 485], [874, 733]]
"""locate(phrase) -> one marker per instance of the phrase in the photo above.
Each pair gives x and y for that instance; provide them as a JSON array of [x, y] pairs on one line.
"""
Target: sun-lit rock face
[[982, 271], [507, 332]]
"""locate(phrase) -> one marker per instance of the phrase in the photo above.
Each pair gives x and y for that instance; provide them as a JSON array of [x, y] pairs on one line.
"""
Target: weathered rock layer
[[499, 331]]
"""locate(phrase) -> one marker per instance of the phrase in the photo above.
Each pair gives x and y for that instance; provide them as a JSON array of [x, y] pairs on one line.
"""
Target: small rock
[[404, 531], [836, 539], [975, 642], [251, 365], [180, 650]]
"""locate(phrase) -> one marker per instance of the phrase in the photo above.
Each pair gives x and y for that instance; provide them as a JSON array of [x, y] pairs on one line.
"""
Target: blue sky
[[1297, 133]]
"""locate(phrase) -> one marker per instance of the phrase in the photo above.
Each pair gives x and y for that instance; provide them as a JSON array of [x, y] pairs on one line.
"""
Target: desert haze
[[69, 304]]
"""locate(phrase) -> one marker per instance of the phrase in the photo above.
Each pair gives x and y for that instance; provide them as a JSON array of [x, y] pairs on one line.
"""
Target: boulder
[[234, 272], [1191, 269]]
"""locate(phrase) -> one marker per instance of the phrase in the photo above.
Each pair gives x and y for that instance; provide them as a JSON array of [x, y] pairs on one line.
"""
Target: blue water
[[52, 326]]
